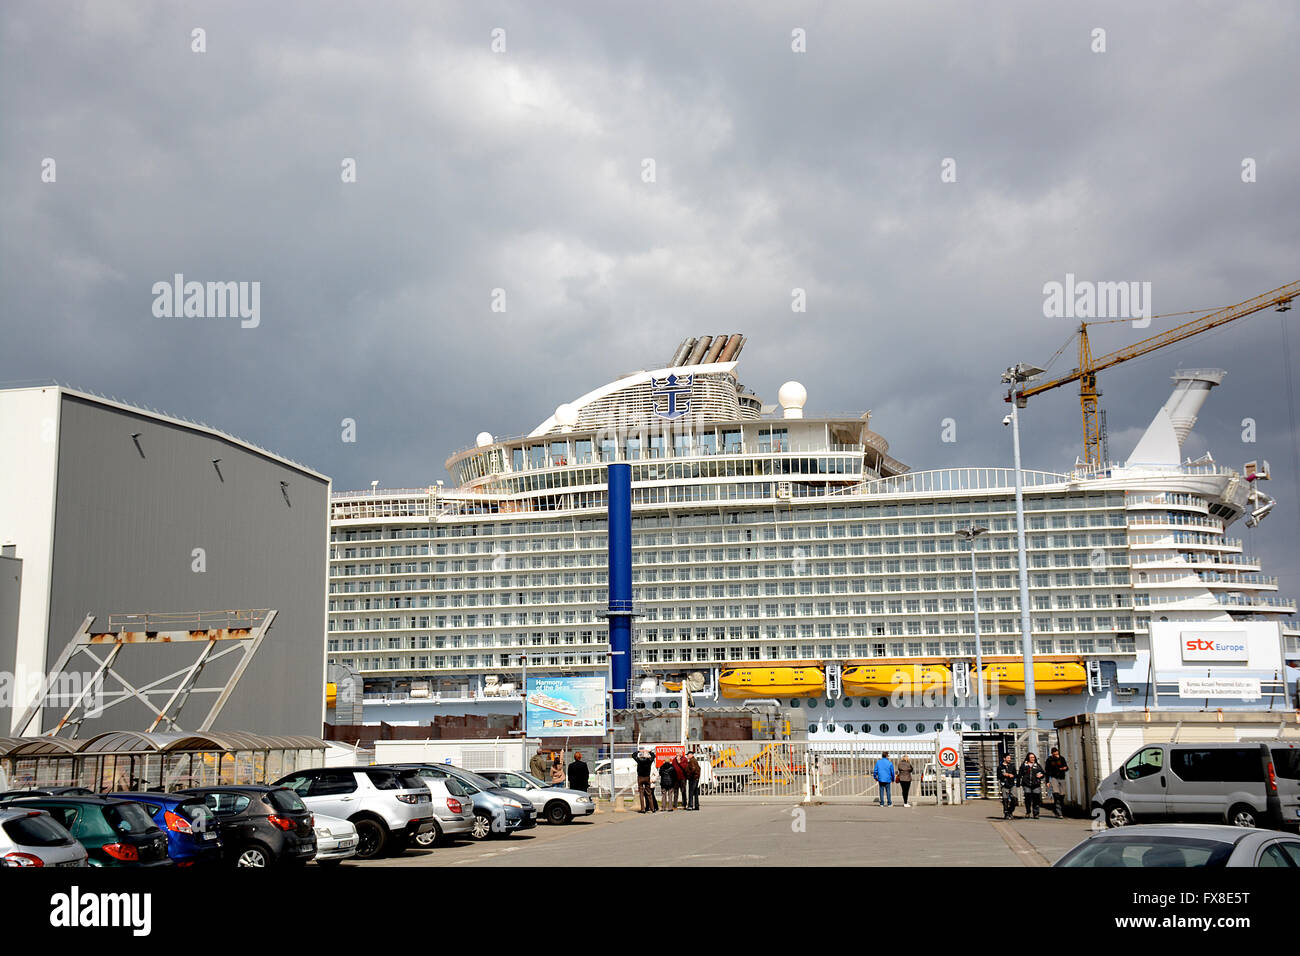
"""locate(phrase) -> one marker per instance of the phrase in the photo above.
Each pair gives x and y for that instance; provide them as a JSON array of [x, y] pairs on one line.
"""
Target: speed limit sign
[[948, 757]]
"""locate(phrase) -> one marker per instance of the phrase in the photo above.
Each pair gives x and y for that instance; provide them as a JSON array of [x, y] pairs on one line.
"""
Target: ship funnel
[[1191, 387]]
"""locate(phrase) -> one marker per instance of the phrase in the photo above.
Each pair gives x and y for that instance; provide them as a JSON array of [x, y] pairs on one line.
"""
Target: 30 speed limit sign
[[948, 757]]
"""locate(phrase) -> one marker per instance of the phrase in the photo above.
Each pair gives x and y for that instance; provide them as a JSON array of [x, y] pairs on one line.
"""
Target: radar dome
[[484, 439], [566, 416], [792, 397]]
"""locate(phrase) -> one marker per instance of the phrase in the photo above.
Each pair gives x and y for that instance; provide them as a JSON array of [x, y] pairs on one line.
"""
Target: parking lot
[[751, 834]]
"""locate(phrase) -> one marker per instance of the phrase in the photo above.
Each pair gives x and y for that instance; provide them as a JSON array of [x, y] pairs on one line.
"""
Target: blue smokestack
[[620, 579]]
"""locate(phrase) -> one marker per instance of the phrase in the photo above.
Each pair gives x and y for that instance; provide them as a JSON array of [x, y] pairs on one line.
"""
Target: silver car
[[336, 839], [453, 812], [31, 837], [1186, 845], [556, 804]]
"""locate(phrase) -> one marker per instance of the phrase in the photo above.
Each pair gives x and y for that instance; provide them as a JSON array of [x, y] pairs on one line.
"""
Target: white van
[[1234, 783]]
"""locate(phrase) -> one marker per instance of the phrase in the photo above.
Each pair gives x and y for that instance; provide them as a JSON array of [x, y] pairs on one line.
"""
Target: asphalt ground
[[738, 833]]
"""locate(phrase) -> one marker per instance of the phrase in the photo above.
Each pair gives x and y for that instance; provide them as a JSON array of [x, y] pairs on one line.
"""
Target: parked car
[[556, 804], [1286, 771], [1185, 845], [1234, 783], [497, 811], [192, 831], [114, 832], [260, 826], [30, 837], [453, 811], [388, 806], [48, 792], [336, 840]]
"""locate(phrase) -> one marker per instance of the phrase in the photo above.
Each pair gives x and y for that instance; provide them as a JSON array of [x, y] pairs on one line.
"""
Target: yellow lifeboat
[[673, 685], [772, 682], [1050, 677], [331, 694], [882, 680]]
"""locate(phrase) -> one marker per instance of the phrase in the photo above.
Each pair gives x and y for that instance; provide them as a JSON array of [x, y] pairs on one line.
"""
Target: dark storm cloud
[[522, 171]]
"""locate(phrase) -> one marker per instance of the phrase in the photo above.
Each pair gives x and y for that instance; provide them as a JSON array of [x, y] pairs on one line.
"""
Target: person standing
[[680, 770], [539, 765], [1031, 778], [1056, 768], [1007, 778], [557, 773], [883, 771], [668, 783], [692, 782], [579, 775], [645, 762], [905, 777]]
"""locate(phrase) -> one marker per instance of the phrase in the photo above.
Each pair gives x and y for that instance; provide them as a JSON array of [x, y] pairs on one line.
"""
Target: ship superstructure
[[789, 557]]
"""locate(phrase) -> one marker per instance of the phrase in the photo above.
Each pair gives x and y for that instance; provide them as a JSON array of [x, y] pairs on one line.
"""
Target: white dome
[[484, 439], [566, 416], [792, 397]]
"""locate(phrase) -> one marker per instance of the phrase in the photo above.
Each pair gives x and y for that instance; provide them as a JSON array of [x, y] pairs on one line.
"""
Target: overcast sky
[[523, 169]]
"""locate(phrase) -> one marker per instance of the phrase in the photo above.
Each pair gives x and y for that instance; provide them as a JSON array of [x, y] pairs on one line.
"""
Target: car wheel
[[558, 812], [1243, 815], [1117, 815], [254, 854], [429, 838], [482, 826], [371, 837]]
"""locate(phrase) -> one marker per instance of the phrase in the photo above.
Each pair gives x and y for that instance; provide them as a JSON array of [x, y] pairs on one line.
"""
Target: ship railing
[[954, 479]]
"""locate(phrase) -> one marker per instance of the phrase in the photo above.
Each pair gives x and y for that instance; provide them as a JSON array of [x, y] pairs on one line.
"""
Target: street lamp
[[969, 534], [1016, 377]]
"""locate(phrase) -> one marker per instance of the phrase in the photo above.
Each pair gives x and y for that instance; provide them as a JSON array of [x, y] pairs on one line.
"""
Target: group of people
[[679, 777], [550, 768], [1033, 778], [885, 772]]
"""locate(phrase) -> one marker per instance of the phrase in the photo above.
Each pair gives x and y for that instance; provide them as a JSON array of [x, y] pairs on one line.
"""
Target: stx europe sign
[[1212, 646]]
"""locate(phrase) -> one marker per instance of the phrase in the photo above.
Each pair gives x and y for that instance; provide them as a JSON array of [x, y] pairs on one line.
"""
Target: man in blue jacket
[[883, 771]]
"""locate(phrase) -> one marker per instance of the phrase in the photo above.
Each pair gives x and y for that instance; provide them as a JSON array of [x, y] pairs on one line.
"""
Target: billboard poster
[[566, 706]]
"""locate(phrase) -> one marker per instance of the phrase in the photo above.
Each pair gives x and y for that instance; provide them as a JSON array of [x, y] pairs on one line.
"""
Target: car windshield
[[129, 818], [465, 776], [283, 799], [1149, 851], [531, 779], [37, 830]]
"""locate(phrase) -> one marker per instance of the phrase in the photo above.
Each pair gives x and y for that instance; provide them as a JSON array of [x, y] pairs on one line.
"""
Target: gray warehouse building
[[178, 540]]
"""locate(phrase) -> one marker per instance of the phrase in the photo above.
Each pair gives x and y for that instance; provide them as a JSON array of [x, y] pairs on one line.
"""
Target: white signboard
[[1236, 688], [1215, 646]]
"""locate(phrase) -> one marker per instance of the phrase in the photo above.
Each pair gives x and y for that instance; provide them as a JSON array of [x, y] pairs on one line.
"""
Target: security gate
[[803, 770]]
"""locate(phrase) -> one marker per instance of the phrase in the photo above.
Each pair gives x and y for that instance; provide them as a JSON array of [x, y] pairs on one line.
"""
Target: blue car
[[193, 835]]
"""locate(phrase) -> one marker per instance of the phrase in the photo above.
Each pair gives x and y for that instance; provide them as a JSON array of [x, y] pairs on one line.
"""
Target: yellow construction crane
[[1086, 373]]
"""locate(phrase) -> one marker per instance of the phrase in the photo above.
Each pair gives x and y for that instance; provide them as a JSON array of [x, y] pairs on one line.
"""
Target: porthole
[[812, 705], [882, 701], [996, 725], [850, 728], [975, 725], [812, 728], [796, 703], [920, 728], [956, 725], [884, 728], [830, 728], [1011, 702], [1013, 725], [657, 705], [938, 726], [848, 701], [674, 704], [902, 728], [866, 728]]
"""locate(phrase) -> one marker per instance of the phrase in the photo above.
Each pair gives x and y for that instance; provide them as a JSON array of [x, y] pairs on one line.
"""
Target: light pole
[[1016, 377], [969, 534]]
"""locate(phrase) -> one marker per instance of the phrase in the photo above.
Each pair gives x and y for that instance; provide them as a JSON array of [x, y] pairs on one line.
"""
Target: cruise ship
[[786, 557]]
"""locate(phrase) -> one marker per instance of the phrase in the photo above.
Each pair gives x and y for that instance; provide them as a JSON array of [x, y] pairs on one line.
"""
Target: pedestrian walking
[[668, 782], [645, 762], [692, 782], [1056, 768], [557, 773], [884, 773], [540, 765], [579, 774], [1007, 780], [1031, 778], [905, 778]]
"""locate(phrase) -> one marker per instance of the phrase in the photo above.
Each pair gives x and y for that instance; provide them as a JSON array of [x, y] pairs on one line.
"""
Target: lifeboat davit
[[1050, 677], [881, 680], [772, 682]]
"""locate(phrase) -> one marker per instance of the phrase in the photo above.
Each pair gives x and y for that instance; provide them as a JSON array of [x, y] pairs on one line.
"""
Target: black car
[[260, 826], [48, 792], [115, 832]]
